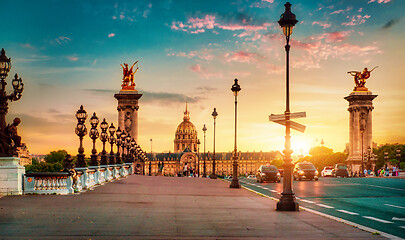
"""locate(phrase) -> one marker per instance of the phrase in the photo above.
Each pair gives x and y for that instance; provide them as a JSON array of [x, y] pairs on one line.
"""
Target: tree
[[53, 163], [55, 156]]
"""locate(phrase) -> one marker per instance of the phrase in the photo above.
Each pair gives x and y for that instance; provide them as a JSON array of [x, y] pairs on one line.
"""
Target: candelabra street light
[[198, 157], [128, 147], [118, 141], [81, 131], [6, 149], [93, 134], [103, 138], [398, 151], [111, 140], [213, 175], [287, 201], [123, 144], [235, 179], [386, 158], [133, 150], [151, 157], [204, 173]]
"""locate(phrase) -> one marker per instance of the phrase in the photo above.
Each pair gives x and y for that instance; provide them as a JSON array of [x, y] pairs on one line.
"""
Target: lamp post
[[123, 137], [111, 140], [204, 174], [6, 149], [287, 201], [398, 158], [133, 150], [198, 156], [235, 180], [93, 134], [81, 131], [118, 134], [213, 175], [103, 138], [386, 158], [151, 157], [128, 147]]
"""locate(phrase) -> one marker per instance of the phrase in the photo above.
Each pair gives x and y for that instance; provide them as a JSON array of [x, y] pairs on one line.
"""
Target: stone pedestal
[[360, 129], [11, 176], [128, 111]]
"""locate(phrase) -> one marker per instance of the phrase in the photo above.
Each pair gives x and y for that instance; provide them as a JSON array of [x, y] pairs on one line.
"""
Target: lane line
[[353, 224], [271, 190], [377, 219], [344, 211], [325, 206], [394, 206], [307, 201], [398, 219]]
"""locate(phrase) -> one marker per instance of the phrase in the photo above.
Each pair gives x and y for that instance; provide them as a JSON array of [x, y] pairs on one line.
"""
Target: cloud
[[153, 97], [379, 1], [61, 40], [322, 24], [391, 23], [27, 45], [204, 54], [338, 11], [243, 56], [204, 72], [111, 35], [72, 58], [357, 20]]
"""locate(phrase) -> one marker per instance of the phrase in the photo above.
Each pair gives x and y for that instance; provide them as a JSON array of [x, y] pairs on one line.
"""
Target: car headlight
[[278, 174], [301, 172], [263, 174], [316, 172]]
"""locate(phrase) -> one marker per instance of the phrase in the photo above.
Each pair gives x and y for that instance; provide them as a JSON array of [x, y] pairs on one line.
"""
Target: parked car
[[281, 172], [268, 173], [340, 170], [327, 171], [251, 176], [305, 170]]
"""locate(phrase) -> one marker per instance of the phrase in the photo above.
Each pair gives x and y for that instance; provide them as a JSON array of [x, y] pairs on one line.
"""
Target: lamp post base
[[235, 183], [213, 176], [287, 203]]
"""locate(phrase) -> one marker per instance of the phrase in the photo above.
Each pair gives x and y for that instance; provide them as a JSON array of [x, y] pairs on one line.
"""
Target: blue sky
[[69, 53]]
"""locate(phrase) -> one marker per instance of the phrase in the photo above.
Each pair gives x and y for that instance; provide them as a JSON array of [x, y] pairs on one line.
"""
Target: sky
[[68, 54]]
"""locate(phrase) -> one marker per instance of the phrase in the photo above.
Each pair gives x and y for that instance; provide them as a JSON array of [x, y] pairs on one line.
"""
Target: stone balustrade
[[76, 181]]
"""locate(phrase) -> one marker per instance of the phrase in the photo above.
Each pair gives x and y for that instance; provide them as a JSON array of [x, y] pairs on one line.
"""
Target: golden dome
[[186, 127]]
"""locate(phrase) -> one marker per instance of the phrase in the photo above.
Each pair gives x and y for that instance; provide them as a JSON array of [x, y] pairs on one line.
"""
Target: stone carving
[[128, 76], [10, 140], [360, 78]]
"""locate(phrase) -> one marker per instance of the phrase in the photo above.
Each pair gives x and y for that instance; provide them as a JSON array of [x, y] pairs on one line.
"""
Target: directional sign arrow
[[278, 117], [293, 125]]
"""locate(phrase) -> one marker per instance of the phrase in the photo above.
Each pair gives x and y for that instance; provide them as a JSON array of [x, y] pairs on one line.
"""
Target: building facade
[[186, 135]]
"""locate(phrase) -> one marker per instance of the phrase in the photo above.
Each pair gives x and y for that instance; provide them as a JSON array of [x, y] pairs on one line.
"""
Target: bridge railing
[[75, 181]]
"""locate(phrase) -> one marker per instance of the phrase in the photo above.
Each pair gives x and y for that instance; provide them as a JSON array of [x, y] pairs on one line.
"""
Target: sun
[[300, 145]]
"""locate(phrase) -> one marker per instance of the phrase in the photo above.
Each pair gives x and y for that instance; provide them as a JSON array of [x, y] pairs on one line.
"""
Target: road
[[377, 203]]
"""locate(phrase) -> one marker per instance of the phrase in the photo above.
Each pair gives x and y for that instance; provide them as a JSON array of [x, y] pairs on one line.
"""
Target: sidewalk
[[144, 207]]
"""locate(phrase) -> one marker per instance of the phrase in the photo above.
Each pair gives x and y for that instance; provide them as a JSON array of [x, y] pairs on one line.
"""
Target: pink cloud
[[338, 11], [111, 35], [242, 56], [357, 20], [322, 24], [72, 58], [203, 72], [27, 45], [208, 22], [269, 1], [204, 54], [196, 68], [379, 1]]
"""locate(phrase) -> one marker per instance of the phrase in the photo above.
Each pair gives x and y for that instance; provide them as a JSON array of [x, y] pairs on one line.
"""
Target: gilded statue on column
[[360, 78], [128, 76]]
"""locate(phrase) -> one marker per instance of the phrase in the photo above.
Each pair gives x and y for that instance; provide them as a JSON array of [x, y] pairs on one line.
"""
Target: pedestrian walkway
[[151, 207]]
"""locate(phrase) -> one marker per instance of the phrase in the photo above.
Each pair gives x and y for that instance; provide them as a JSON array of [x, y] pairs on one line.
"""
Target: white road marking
[[377, 219], [398, 219], [394, 206], [398, 189], [344, 211], [307, 201], [325, 206], [402, 226], [271, 190]]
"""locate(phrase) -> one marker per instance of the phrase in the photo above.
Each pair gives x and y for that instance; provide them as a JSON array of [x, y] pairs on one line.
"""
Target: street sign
[[293, 125], [278, 117]]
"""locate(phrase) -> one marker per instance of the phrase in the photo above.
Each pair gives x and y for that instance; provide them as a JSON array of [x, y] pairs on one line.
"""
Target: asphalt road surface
[[377, 203]]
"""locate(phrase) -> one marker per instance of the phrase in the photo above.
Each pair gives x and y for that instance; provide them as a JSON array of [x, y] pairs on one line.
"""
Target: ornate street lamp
[[6, 149], [386, 158], [287, 201], [118, 142], [151, 157], [198, 156], [93, 134], [128, 146], [235, 180], [123, 145], [213, 175], [103, 138], [81, 131], [111, 140], [133, 150], [204, 174]]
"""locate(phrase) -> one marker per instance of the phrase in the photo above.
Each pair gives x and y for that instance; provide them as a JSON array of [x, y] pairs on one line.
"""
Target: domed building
[[186, 135]]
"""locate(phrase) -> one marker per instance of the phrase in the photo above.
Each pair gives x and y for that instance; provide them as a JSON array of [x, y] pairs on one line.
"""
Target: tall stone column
[[360, 128], [128, 111]]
